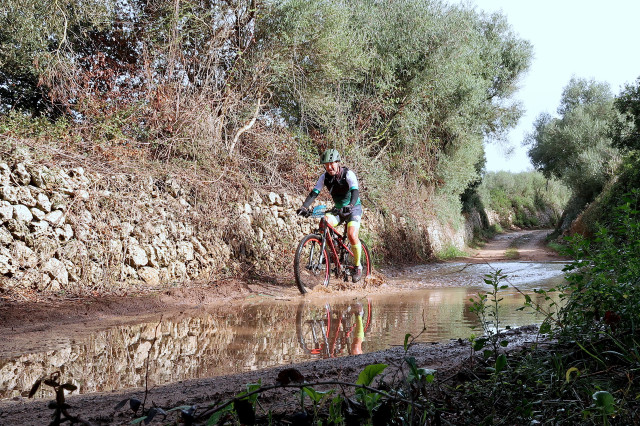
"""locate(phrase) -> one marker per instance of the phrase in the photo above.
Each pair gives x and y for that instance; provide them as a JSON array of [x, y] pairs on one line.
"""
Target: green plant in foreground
[[486, 308]]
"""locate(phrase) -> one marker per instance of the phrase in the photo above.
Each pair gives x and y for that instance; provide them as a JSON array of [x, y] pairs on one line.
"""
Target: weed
[[451, 252], [486, 308], [512, 253]]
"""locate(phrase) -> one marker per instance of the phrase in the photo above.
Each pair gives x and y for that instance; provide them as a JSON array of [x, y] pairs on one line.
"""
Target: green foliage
[[577, 148], [487, 308], [626, 129], [369, 373], [36, 36], [450, 252], [522, 196], [411, 87], [603, 282], [18, 125]]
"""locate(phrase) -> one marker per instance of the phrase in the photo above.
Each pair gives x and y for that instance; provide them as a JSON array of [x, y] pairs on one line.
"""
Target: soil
[[25, 323]]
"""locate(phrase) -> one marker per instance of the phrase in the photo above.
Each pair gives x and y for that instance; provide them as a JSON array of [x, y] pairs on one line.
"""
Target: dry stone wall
[[66, 229], [71, 230]]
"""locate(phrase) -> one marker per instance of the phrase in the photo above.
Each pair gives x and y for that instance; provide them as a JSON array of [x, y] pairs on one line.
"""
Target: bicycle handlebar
[[321, 210]]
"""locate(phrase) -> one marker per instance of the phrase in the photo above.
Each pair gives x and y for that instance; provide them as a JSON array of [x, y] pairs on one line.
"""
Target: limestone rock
[[5, 237], [178, 270], [6, 266], [6, 211], [274, 199], [43, 202], [136, 256], [184, 251], [22, 174], [55, 218], [81, 194], [21, 213], [39, 227], [5, 174], [197, 245], [64, 234], [36, 175], [151, 276], [37, 213], [25, 257], [9, 193], [24, 196], [57, 271]]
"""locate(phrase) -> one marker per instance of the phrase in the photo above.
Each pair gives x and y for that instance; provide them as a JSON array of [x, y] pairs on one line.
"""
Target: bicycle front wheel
[[311, 265]]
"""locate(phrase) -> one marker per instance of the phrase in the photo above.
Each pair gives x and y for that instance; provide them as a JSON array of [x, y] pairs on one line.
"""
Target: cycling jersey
[[341, 187]]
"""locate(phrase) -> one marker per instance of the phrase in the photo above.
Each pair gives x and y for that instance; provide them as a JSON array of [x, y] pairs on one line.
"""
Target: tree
[[34, 37], [576, 147], [406, 88], [626, 130]]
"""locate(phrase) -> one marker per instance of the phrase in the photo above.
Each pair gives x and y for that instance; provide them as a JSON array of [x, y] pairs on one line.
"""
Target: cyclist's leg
[[332, 219], [353, 229]]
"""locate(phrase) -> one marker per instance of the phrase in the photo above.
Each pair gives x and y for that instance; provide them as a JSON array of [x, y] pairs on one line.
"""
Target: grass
[[512, 253], [451, 252]]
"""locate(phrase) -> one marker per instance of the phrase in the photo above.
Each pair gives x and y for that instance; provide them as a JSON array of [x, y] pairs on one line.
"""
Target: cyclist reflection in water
[[358, 335], [343, 187], [355, 331]]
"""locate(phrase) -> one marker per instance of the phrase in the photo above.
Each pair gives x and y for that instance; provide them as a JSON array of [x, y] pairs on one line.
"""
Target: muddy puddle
[[265, 333]]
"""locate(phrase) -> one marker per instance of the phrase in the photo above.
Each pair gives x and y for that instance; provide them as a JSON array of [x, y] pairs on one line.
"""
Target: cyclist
[[343, 188]]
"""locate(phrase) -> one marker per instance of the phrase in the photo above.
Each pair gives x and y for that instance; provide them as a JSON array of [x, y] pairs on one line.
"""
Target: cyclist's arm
[[314, 192], [352, 180], [355, 194]]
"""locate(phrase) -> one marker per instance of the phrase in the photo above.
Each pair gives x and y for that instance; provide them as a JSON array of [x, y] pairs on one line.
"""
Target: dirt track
[[528, 245], [23, 325]]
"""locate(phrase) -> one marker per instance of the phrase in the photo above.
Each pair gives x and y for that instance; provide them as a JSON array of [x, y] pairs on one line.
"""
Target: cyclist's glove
[[346, 211], [303, 211]]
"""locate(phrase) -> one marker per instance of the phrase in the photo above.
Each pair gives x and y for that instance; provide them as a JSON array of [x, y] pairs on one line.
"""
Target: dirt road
[[525, 245], [24, 325]]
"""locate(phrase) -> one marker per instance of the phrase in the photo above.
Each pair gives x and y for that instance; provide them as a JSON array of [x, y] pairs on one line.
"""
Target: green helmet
[[329, 156]]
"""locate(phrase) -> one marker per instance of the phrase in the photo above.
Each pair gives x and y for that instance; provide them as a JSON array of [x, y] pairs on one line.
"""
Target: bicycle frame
[[329, 235]]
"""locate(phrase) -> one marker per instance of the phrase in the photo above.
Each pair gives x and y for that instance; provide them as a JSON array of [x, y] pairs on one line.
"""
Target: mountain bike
[[327, 252], [328, 332]]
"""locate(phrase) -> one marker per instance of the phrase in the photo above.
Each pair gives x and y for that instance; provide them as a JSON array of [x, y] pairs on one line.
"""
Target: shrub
[[603, 282]]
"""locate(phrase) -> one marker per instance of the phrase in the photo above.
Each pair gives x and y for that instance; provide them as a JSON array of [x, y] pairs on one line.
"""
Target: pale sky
[[570, 38]]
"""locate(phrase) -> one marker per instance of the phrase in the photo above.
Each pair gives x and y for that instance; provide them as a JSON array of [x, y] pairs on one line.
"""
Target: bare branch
[[245, 128]]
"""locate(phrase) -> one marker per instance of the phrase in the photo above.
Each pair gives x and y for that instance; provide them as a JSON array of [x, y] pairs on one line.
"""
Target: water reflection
[[333, 329], [254, 336]]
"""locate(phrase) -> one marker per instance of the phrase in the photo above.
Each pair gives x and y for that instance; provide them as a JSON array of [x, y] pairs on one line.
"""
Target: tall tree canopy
[[406, 88], [417, 84], [576, 147], [626, 130]]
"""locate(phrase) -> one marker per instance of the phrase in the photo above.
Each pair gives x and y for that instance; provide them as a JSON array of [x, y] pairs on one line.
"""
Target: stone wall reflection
[[177, 349]]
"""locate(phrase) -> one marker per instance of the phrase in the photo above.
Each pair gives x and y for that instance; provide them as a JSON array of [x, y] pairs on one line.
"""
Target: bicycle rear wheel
[[311, 265]]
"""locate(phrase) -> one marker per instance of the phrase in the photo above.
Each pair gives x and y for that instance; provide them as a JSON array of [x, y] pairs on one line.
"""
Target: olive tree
[[626, 130], [406, 88], [35, 37], [576, 147]]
